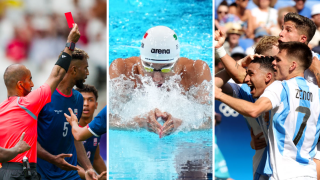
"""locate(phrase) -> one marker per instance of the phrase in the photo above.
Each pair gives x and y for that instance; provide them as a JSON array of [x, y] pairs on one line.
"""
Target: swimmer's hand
[[220, 37], [72, 119], [149, 121], [170, 125]]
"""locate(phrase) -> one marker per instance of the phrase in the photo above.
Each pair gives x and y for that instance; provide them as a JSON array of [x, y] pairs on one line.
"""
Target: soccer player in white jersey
[[295, 28], [302, 29], [293, 130], [261, 76]]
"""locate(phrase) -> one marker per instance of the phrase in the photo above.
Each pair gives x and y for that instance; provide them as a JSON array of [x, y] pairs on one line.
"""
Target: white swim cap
[[160, 45]]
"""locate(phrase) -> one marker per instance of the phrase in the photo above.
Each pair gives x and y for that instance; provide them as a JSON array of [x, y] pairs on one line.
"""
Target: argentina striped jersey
[[294, 128]]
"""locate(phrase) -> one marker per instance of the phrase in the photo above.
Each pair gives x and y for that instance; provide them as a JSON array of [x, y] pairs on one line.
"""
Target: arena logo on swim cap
[[160, 51], [145, 35], [175, 36]]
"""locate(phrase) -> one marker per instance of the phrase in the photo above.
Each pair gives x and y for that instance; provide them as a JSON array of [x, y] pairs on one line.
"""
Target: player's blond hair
[[265, 44]]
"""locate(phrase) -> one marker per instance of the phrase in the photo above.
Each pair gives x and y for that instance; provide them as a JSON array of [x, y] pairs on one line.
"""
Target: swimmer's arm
[[206, 125], [245, 108], [117, 68], [58, 72], [116, 124], [202, 72]]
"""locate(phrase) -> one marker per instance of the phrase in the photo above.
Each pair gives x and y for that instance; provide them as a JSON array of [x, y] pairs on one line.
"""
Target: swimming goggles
[[148, 67]]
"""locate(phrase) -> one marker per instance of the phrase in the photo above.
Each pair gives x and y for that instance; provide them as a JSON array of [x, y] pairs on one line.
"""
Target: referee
[[20, 111]]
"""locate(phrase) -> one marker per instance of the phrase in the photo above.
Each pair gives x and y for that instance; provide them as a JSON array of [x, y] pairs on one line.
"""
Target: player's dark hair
[[223, 3], [303, 24], [265, 62], [89, 88], [298, 51], [233, 4], [78, 54]]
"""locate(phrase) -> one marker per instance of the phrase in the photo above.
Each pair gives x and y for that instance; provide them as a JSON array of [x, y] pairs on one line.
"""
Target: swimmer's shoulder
[[122, 61], [189, 62], [121, 65]]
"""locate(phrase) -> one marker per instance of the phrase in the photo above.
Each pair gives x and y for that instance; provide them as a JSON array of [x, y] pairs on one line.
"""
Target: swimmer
[[160, 59]]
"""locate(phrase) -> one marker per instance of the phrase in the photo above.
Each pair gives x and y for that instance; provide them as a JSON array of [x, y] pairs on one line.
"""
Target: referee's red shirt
[[20, 114]]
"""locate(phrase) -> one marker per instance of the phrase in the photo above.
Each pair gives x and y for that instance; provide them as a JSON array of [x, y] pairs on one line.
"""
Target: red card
[[69, 19]]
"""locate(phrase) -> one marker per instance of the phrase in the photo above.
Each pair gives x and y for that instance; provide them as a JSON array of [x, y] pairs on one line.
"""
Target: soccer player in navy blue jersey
[[91, 145], [54, 132]]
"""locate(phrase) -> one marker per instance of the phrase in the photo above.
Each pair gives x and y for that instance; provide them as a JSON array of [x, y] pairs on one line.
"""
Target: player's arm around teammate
[[245, 108], [8, 154]]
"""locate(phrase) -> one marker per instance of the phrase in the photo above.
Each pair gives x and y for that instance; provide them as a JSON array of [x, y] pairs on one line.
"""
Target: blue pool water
[[141, 154], [190, 19]]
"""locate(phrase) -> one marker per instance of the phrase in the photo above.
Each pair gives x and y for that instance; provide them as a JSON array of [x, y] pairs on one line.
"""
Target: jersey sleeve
[[242, 91], [98, 125], [273, 92], [315, 55], [37, 99]]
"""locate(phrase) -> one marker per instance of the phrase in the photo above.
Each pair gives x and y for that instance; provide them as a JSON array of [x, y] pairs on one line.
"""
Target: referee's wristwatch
[[71, 45]]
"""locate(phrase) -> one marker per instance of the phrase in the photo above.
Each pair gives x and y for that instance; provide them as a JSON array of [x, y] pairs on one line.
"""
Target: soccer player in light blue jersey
[[294, 103], [261, 76]]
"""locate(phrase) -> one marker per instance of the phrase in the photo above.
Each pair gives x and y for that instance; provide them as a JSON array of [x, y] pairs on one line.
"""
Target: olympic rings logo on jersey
[[227, 111]]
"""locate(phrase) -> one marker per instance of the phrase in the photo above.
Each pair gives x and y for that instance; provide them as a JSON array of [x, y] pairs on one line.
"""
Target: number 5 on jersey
[[65, 129]]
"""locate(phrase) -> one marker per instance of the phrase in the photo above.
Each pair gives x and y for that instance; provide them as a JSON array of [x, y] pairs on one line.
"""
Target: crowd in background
[[245, 21], [34, 32]]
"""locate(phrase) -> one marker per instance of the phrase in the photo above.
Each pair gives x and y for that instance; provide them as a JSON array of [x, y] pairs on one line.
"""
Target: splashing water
[[128, 102]]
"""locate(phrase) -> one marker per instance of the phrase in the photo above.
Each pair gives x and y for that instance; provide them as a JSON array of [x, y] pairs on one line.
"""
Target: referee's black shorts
[[14, 171]]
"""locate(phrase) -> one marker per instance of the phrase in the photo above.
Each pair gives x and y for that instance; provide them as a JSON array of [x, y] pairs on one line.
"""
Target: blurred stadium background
[[34, 32]]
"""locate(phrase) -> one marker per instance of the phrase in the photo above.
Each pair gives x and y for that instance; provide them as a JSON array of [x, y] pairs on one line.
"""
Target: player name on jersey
[[301, 94]]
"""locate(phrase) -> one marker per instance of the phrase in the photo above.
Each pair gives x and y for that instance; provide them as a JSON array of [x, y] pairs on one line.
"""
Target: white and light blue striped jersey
[[308, 75], [294, 128], [258, 125]]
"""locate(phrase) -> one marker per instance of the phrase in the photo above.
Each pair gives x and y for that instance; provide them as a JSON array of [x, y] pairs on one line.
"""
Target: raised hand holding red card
[[69, 19]]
